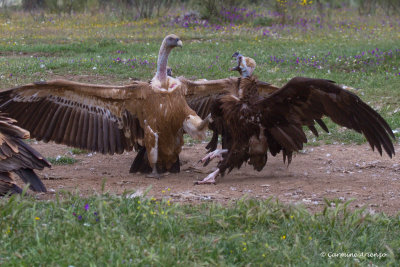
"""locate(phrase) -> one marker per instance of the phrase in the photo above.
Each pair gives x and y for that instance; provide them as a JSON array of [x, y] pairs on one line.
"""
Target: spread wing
[[303, 100], [17, 156], [87, 116], [201, 95]]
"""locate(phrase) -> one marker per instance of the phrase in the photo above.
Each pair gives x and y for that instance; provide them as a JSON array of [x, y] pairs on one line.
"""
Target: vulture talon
[[154, 175], [210, 179], [214, 154]]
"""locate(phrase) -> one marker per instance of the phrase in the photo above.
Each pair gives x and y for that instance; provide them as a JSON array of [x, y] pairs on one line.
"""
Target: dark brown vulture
[[112, 119], [18, 157], [275, 122]]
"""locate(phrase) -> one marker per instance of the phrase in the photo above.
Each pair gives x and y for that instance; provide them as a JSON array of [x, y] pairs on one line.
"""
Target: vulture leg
[[151, 143], [210, 179], [176, 167], [214, 154]]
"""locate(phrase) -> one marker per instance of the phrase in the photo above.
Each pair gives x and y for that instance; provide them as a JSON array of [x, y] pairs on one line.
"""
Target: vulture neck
[[161, 74]]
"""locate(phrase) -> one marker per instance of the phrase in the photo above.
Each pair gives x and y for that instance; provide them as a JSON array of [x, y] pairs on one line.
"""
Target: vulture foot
[[214, 154], [210, 179], [141, 164], [155, 175]]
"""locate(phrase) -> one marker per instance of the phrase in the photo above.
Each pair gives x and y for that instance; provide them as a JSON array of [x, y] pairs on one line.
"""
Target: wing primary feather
[[106, 137], [90, 130], [73, 136], [84, 130], [322, 124], [119, 137], [313, 130], [50, 129], [36, 115], [67, 135], [100, 133], [94, 134], [111, 126], [42, 119], [45, 123], [62, 125]]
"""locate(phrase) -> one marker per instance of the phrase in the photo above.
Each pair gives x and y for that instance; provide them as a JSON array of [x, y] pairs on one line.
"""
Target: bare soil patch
[[328, 171]]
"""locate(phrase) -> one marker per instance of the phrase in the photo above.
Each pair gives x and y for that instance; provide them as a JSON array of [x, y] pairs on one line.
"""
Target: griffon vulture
[[18, 157], [258, 123], [112, 119]]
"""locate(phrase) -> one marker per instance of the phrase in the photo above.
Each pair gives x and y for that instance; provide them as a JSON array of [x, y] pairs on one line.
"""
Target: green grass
[[77, 151], [122, 231], [62, 160]]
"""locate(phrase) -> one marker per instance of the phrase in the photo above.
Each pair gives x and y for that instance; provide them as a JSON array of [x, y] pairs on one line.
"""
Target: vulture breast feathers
[[18, 157], [275, 122], [110, 119]]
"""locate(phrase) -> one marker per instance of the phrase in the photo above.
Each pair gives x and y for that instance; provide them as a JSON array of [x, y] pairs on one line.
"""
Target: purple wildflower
[[86, 207]]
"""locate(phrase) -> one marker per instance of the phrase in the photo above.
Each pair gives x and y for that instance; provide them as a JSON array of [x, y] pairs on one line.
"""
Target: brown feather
[[18, 157], [67, 134]]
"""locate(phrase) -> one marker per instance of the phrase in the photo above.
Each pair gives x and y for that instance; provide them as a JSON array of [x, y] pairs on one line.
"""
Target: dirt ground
[[328, 171]]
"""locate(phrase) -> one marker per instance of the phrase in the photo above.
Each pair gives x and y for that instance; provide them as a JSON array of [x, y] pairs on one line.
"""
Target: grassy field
[[361, 52], [125, 231]]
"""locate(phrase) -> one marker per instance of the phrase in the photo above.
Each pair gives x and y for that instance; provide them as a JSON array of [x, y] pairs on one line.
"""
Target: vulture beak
[[239, 58], [237, 68], [236, 55], [179, 43]]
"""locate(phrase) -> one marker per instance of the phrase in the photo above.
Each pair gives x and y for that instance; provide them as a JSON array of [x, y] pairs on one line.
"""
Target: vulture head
[[161, 81], [245, 65], [172, 41], [169, 71]]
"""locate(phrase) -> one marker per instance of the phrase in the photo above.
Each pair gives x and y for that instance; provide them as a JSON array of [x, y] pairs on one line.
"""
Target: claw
[[154, 174], [214, 154], [210, 179]]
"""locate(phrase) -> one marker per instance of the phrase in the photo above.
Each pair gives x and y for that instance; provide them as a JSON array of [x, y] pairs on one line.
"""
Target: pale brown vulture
[[18, 157], [112, 119], [258, 124]]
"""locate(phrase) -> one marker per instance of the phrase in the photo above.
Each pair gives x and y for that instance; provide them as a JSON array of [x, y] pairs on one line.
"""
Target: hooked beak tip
[[180, 43]]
